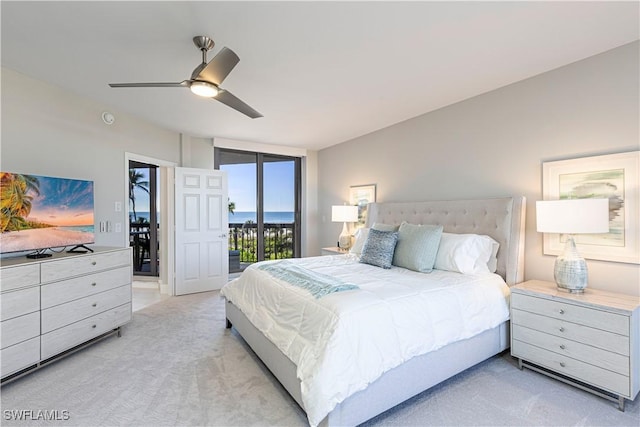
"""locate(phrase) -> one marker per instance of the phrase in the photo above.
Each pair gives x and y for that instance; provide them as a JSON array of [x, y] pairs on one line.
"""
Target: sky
[[279, 190], [279, 181], [63, 202]]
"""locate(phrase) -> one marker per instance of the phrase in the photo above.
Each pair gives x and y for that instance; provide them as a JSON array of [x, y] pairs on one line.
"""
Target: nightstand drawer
[[572, 313], [602, 378], [594, 337], [585, 353]]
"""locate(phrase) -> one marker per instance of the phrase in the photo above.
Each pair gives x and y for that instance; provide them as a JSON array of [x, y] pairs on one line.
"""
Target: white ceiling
[[320, 72]]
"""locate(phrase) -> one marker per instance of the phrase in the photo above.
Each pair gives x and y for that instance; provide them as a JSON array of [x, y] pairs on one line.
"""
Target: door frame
[[167, 200], [298, 190]]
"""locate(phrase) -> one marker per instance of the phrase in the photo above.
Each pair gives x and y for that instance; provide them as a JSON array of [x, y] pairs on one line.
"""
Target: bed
[[500, 218]]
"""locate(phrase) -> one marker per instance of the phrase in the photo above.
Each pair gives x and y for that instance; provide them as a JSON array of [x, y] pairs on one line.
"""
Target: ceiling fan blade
[[232, 101], [218, 68], [184, 83]]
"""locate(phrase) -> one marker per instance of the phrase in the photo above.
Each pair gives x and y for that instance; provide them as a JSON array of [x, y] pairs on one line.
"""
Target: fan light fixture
[[204, 89]]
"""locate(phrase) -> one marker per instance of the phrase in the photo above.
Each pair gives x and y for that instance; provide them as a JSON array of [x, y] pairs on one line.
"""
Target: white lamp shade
[[344, 213], [574, 216]]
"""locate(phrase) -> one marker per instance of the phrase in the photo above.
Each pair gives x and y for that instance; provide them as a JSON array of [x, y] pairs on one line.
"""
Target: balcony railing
[[278, 241]]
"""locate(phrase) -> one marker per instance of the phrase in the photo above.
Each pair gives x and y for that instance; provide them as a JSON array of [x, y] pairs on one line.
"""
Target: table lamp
[[570, 217], [344, 214]]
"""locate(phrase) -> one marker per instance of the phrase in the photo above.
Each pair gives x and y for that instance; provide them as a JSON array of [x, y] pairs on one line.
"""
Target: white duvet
[[344, 341]]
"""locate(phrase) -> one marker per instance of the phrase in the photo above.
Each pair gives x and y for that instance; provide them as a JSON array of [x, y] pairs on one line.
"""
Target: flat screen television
[[43, 212]]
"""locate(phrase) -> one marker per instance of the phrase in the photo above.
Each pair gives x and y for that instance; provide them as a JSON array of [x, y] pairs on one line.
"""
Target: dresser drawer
[[19, 276], [19, 329], [65, 314], [18, 303], [573, 331], [19, 356], [84, 264], [64, 338], [585, 353], [587, 316], [72, 289], [598, 377]]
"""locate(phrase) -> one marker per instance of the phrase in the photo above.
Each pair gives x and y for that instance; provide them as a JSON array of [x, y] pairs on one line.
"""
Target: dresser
[[53, 306], [588, 340]]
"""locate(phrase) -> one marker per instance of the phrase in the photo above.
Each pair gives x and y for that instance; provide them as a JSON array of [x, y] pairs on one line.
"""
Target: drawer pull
[[94, 326], [562, 364], [93, 263], [561, 311], [95, 304], [561, 328], [93, 284], [561, 345]]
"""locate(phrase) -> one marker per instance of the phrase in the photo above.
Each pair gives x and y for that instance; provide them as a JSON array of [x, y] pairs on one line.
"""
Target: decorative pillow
[[384, 227], [465, 253], [379, 247], [417, 246], [361, 237]]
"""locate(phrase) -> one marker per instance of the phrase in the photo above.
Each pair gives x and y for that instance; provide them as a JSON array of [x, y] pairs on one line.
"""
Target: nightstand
[[333, 250], [588, 340]]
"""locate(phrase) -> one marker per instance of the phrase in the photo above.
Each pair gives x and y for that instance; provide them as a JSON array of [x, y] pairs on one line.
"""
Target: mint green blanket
[[317, 283]]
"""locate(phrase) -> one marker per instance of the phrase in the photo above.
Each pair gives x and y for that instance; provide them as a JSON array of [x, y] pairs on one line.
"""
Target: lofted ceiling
[[320, 72]]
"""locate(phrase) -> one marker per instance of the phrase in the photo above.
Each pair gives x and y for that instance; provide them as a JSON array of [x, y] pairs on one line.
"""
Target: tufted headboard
[[503, 219]]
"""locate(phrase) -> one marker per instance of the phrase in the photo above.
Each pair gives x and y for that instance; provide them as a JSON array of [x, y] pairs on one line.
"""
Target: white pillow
[[492, 264], [465, 253], [361, 237]]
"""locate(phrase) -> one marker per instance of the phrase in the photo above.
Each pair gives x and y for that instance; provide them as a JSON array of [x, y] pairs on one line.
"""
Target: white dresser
[[591, 340], [51, 306]]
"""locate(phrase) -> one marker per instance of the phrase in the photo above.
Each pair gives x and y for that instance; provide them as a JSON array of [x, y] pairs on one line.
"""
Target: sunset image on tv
[[39, 212]]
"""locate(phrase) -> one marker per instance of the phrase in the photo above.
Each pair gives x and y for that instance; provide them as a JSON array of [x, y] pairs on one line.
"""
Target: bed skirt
[[393, 387]]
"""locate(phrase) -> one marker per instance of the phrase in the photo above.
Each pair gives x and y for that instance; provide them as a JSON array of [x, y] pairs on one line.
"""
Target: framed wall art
[[361, 195], [615, 177]]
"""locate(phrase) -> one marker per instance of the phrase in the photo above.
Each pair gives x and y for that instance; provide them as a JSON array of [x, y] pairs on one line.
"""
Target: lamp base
[[344, 240], [570, 269]]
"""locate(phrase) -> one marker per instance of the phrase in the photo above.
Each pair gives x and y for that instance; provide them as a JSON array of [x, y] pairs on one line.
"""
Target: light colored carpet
[[176, 364]]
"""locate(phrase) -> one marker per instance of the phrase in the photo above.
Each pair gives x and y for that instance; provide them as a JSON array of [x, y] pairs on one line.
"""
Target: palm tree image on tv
[[38, 212], [15, 200]]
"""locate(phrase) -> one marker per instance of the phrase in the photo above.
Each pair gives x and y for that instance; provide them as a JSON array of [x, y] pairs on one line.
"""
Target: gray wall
[[50, 131], [494, 145]]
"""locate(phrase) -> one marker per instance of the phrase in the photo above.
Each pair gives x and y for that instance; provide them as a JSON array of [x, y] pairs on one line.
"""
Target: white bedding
[[342, 342]]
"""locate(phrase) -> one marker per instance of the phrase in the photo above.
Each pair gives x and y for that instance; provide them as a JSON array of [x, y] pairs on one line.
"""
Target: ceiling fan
[[206, 78]]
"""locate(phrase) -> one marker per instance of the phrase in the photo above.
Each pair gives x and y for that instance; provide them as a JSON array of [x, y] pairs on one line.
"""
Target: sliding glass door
[[264, 206], [144, 217]]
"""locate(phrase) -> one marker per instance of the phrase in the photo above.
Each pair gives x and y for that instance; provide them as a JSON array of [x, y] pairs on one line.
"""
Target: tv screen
[[42, 212]]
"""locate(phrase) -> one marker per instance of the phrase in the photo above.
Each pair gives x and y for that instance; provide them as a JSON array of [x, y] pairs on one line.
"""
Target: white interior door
[[202, 223]]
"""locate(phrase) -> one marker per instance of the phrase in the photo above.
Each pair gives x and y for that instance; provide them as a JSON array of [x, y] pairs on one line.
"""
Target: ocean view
[[242, 217], [269, 217]]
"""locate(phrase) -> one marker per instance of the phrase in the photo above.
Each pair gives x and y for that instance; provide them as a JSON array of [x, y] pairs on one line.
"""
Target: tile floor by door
[[145, 293]]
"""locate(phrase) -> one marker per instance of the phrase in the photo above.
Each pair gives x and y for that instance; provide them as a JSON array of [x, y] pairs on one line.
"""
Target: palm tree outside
[[136, 181]]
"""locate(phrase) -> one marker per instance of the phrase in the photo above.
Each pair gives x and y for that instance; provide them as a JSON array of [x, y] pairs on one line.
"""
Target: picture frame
[[361, 196], [612, 176]]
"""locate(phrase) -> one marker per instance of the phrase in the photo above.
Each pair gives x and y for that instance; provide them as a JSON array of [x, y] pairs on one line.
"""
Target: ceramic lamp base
[[570, 270]]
